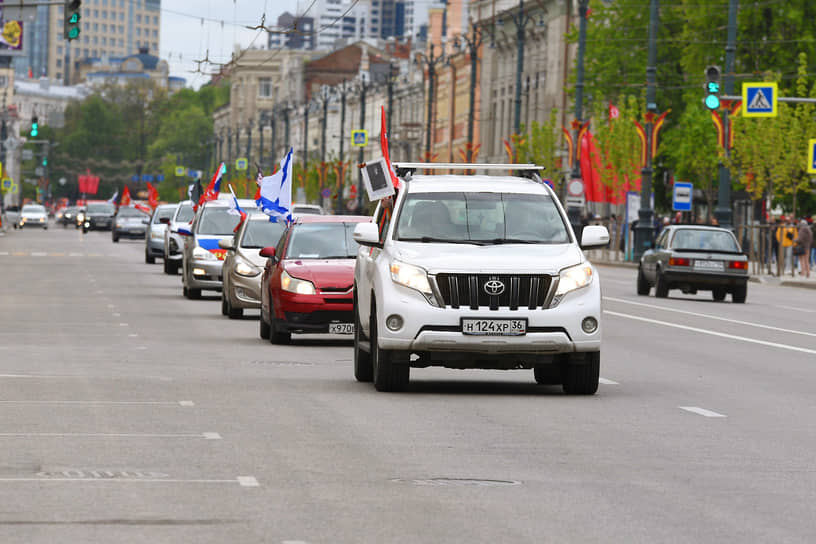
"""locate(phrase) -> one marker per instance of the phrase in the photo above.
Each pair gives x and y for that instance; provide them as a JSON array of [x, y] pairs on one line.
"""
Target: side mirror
[[226, 243], [145, 221], [367, 234], [184, 231], [594, 236], [268, 252], [164, 220]]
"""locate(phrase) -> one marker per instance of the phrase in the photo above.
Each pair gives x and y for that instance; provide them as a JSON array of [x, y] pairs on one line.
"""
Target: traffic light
[[45, 161], [35, 127], [712, 87], [70, 27]]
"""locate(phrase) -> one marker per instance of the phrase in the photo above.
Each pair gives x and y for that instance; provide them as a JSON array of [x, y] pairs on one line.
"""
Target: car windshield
[[218, 221], [481, 218], [185, 213], [101, 208], [704, 240], [163, 213], [33, 208], [260, 234], [130, 212], [322, 241], [69, 210]]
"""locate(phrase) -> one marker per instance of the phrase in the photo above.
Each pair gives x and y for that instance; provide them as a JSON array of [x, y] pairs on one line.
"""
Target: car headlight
[[202, 254], [572, 278], [296, 285], [411, 276], [156, 235], [245, 269]]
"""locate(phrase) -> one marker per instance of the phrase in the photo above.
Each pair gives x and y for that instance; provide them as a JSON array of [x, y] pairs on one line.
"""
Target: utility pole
[[229, 145], [306, 137], [273, 125], [390, 88], [473, 43], [520, 21], [573, 211], [723, 210], [363, 91], [261, 122], [286, 128], [249, 143], [430, 63], [645, 227], [342, 183]]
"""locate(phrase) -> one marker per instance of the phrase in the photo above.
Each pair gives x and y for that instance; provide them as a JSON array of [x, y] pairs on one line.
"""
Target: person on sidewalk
[[785, 235], [804, 239]]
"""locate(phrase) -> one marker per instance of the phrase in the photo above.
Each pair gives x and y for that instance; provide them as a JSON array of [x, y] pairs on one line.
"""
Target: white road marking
[[708, 316], [76, 254], [98, 402], [39, 254], [186, 403], [247, 481], [701, 411], [4, 252], [712, 333], [294, 542], [809, 311], [607, 382], [123, 324], [132, 335], [127, 480], [112, 306], [207, 436], [115, 314]]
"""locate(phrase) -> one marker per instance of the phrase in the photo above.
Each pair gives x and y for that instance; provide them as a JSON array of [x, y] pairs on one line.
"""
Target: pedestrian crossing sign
[[811, 156], [759, 99]]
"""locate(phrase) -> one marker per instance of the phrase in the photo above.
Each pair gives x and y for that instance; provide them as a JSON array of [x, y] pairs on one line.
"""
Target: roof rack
[[527, 170]]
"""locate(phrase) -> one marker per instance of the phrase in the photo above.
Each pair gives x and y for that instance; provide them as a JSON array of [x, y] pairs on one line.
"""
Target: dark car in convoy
[[695, 258], [243, 265], [129, 223], [308, 278], [69, 216], [98, 216]]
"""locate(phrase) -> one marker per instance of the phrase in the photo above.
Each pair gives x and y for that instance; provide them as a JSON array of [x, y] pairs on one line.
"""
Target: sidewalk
[[786, 281]]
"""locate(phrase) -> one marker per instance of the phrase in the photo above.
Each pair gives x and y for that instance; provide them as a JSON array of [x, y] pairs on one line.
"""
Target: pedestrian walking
[[804, 241]]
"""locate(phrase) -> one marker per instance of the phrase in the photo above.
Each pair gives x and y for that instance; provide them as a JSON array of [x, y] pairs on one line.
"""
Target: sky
[[191, 28]]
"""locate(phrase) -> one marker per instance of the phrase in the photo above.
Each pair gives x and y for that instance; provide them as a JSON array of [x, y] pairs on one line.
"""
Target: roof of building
[[137, 75]]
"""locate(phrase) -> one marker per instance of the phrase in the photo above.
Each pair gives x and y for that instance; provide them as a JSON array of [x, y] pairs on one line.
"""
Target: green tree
[[539, 145]]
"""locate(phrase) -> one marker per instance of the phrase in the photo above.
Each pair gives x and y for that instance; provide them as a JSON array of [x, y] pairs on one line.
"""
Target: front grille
[[468, 290], [321, 317], [335, 289]]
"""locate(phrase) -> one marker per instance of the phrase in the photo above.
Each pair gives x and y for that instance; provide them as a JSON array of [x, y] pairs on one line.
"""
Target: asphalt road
[[130, 414]]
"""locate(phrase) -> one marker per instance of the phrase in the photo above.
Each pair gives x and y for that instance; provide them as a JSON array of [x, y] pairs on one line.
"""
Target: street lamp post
[[473, 43], [723, 210], [430, 62], [342, 181], [261, 123], [645, 227], [364, 85], [249, 143]]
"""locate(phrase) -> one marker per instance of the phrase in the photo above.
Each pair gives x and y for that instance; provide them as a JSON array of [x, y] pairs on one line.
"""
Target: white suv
[[472, 271]]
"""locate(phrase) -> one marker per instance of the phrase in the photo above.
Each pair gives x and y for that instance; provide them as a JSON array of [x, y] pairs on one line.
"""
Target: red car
[[307, 282]]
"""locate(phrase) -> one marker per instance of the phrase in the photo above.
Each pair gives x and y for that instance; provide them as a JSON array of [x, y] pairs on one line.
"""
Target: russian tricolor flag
[[276, 192]]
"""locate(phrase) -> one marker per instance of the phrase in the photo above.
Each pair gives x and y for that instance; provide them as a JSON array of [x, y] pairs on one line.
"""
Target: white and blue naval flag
[[276, 192]]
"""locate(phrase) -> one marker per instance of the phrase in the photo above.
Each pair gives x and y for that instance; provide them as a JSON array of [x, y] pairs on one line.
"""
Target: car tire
[[234, 313], [547, 374], [169, 267], [363, 369], [185, 292], [389, 373], [661, 288], [739, 293], [114, 238], [643, 286], [149, 259], [276, 337], [193, 294], [224, 307], [581, 377], [264, 328], [718, 294]]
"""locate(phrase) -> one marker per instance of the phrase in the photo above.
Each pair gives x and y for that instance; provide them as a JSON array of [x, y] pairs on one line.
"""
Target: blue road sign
[[7, 183], [134, 177], [325, 193], [147, 177], [160, 178], [359, 138], [682, 196], [759, 99]]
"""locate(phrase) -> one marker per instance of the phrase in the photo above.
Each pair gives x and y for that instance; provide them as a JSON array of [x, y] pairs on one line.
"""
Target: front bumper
[[431, 329], [33, 223], [312, 313], [96, 223], [155, 247], [244, 292], [211, 279], [126, 232]]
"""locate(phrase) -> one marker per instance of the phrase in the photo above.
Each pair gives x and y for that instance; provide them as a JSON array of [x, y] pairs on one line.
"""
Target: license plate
[[494, 327], [136, 231], [709, 265], [341, 328]]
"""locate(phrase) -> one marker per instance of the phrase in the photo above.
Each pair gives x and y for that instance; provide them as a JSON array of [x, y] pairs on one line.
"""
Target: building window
[[156, 33], [121, 42], [104, 14], [155, 48], [155, 19], [59, 63], [265, 87], [3, 81], [104, 40], [138, 18], [59, 50]]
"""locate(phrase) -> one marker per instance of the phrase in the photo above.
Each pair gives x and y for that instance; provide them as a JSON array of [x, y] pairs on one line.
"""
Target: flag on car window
[[194, 191], [152, 195], [275, 199], [235, 209], [112, 199], [384, 147], [125, 200], [214, 188]]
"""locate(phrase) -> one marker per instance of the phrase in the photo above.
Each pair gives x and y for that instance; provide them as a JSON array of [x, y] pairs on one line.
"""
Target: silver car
[[154, 237], [243, 266], [173, 241], [129, 222], [202, 260], [692, 258], [34, 215]]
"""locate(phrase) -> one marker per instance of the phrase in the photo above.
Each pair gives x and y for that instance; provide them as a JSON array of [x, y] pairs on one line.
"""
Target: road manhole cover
[[281, 363], [457, 482]]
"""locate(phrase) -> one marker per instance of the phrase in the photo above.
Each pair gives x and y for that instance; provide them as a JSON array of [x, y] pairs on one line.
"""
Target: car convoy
[[459, 271]]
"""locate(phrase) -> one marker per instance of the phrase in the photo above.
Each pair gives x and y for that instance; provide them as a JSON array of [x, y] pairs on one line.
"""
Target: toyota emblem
[[494, 287]]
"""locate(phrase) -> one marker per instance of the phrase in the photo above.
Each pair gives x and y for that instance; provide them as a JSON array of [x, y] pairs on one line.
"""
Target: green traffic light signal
[[35, 130], [74, 18], [45, 161], [73, 34], [712, 102]]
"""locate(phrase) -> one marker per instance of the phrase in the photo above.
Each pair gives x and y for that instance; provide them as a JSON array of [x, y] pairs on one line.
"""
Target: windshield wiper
[[340, 257], [429, 239], [513, 241]]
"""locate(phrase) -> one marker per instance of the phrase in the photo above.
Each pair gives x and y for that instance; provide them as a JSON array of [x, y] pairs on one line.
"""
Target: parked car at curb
[[154, 237], [129, 223], [173, 241], [243, 265], [476, 271], [307, 280], [34, 215], [695, 258]]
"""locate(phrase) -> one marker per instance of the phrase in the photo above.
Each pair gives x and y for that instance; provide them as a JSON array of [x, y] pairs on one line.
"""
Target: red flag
[[124, 200], [152, 195], [257, 193], [614, 113], [143, 208], [384, 147]]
